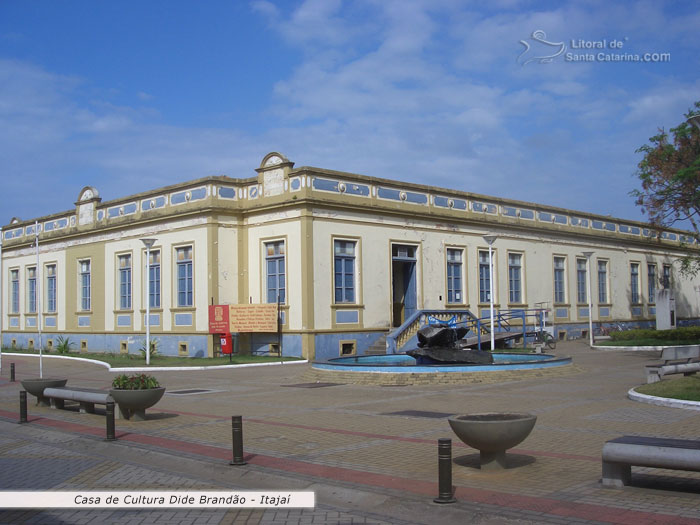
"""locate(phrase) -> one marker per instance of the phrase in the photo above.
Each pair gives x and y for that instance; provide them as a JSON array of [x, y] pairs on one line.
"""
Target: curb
[[638, 348], [161, 368], [662, 401]]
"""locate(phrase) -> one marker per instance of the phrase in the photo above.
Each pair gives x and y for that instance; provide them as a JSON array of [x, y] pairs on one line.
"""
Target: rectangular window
[[455, 292], [85, 285], [31, 290], [184, 276], [14, 285], [274, 263], [51, 288], [154, 279], [124, 282], [666, 280], [484, 277], [344, 271], [634, 283], [560, 280], [651, 276], [515, 277], [603, 282], [581, 290]]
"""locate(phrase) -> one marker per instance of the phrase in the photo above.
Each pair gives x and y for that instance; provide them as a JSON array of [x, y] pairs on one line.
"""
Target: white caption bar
[[153, 499]]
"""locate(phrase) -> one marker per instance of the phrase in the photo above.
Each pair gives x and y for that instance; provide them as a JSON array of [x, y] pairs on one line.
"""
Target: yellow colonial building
[[350, 258]]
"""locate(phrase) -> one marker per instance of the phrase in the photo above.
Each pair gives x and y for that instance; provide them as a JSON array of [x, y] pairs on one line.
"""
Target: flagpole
[[2, 317], [37, 292]]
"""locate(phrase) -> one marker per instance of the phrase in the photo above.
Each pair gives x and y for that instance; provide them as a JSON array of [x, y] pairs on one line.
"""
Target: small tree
[[670, 177]]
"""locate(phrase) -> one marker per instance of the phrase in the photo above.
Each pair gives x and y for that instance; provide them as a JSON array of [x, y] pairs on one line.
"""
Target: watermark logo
[[540, 50], [543, 51]]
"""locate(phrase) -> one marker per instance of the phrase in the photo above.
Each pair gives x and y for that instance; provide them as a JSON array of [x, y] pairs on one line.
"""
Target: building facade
[[348, 257]]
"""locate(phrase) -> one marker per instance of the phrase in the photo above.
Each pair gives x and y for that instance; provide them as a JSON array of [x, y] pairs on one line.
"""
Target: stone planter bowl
[[135, 402], [36, 387], [492, 434]]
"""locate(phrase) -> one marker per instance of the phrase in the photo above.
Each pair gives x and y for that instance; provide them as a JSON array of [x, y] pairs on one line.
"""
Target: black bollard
[[12, 372], [445, 494], [109, 412], [23, 406], [237, 434]]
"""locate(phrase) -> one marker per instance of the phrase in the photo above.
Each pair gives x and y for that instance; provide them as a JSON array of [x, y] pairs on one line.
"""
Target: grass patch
[[138, 361], [686, 388]]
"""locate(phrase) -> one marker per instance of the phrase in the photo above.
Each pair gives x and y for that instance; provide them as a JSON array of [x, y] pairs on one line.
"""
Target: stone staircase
[[378, 347]]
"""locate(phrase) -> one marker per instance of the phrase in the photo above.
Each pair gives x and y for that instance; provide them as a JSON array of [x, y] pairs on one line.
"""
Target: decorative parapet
[[277, 179]]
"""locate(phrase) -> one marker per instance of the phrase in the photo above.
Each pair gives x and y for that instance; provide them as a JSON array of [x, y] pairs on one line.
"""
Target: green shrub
[[135, 382], [63, 345], [689, 334], [154, 349]]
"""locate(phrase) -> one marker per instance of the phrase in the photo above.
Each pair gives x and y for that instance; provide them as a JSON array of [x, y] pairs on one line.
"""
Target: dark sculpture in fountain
[[442, 344]]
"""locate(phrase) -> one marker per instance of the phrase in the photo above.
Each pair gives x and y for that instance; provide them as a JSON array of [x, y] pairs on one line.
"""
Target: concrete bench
[[620, 454], [87, 397], [677, 360]]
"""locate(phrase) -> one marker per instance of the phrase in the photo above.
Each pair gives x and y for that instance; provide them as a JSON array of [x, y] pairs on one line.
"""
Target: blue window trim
[[344, 272]]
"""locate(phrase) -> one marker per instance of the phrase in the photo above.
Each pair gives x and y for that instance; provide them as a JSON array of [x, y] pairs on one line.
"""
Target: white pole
[[2, 318], [148, 243], [37, 300], [590, 297], [148, 305], [493, 335]]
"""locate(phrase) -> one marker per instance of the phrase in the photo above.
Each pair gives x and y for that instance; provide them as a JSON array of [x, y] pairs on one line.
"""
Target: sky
[[506, 98]]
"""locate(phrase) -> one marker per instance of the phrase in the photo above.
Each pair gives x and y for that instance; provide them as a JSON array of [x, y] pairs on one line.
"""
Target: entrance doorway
[[403, 283]]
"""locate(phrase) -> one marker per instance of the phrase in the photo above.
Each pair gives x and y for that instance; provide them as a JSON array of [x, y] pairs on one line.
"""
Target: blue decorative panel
[[604, 311], [597, 225], [347, 316], [124, 320], [544, 216], [198, 194], [459, 204], [477, 206], [100, 215], [295, 183], [30, 230], [416, 198], [50, 322], [441, 201], [83, 320], [583, 312], [665, 235], [30, 322], [130, 208], [12, 234], [576, 221], [14, 322], [188, 196], [491, 208], [183, 319], [561, 312], [357, 189], [527, 214], [652, 310], [509, 211], [155, 320], [610, 226], [227, 193], [386, 193], [253, 192], [637, 310], [560, 219], [150, 204], [325, 185]]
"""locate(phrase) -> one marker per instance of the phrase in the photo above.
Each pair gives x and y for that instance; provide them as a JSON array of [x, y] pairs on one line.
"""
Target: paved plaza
[[356, 445]]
